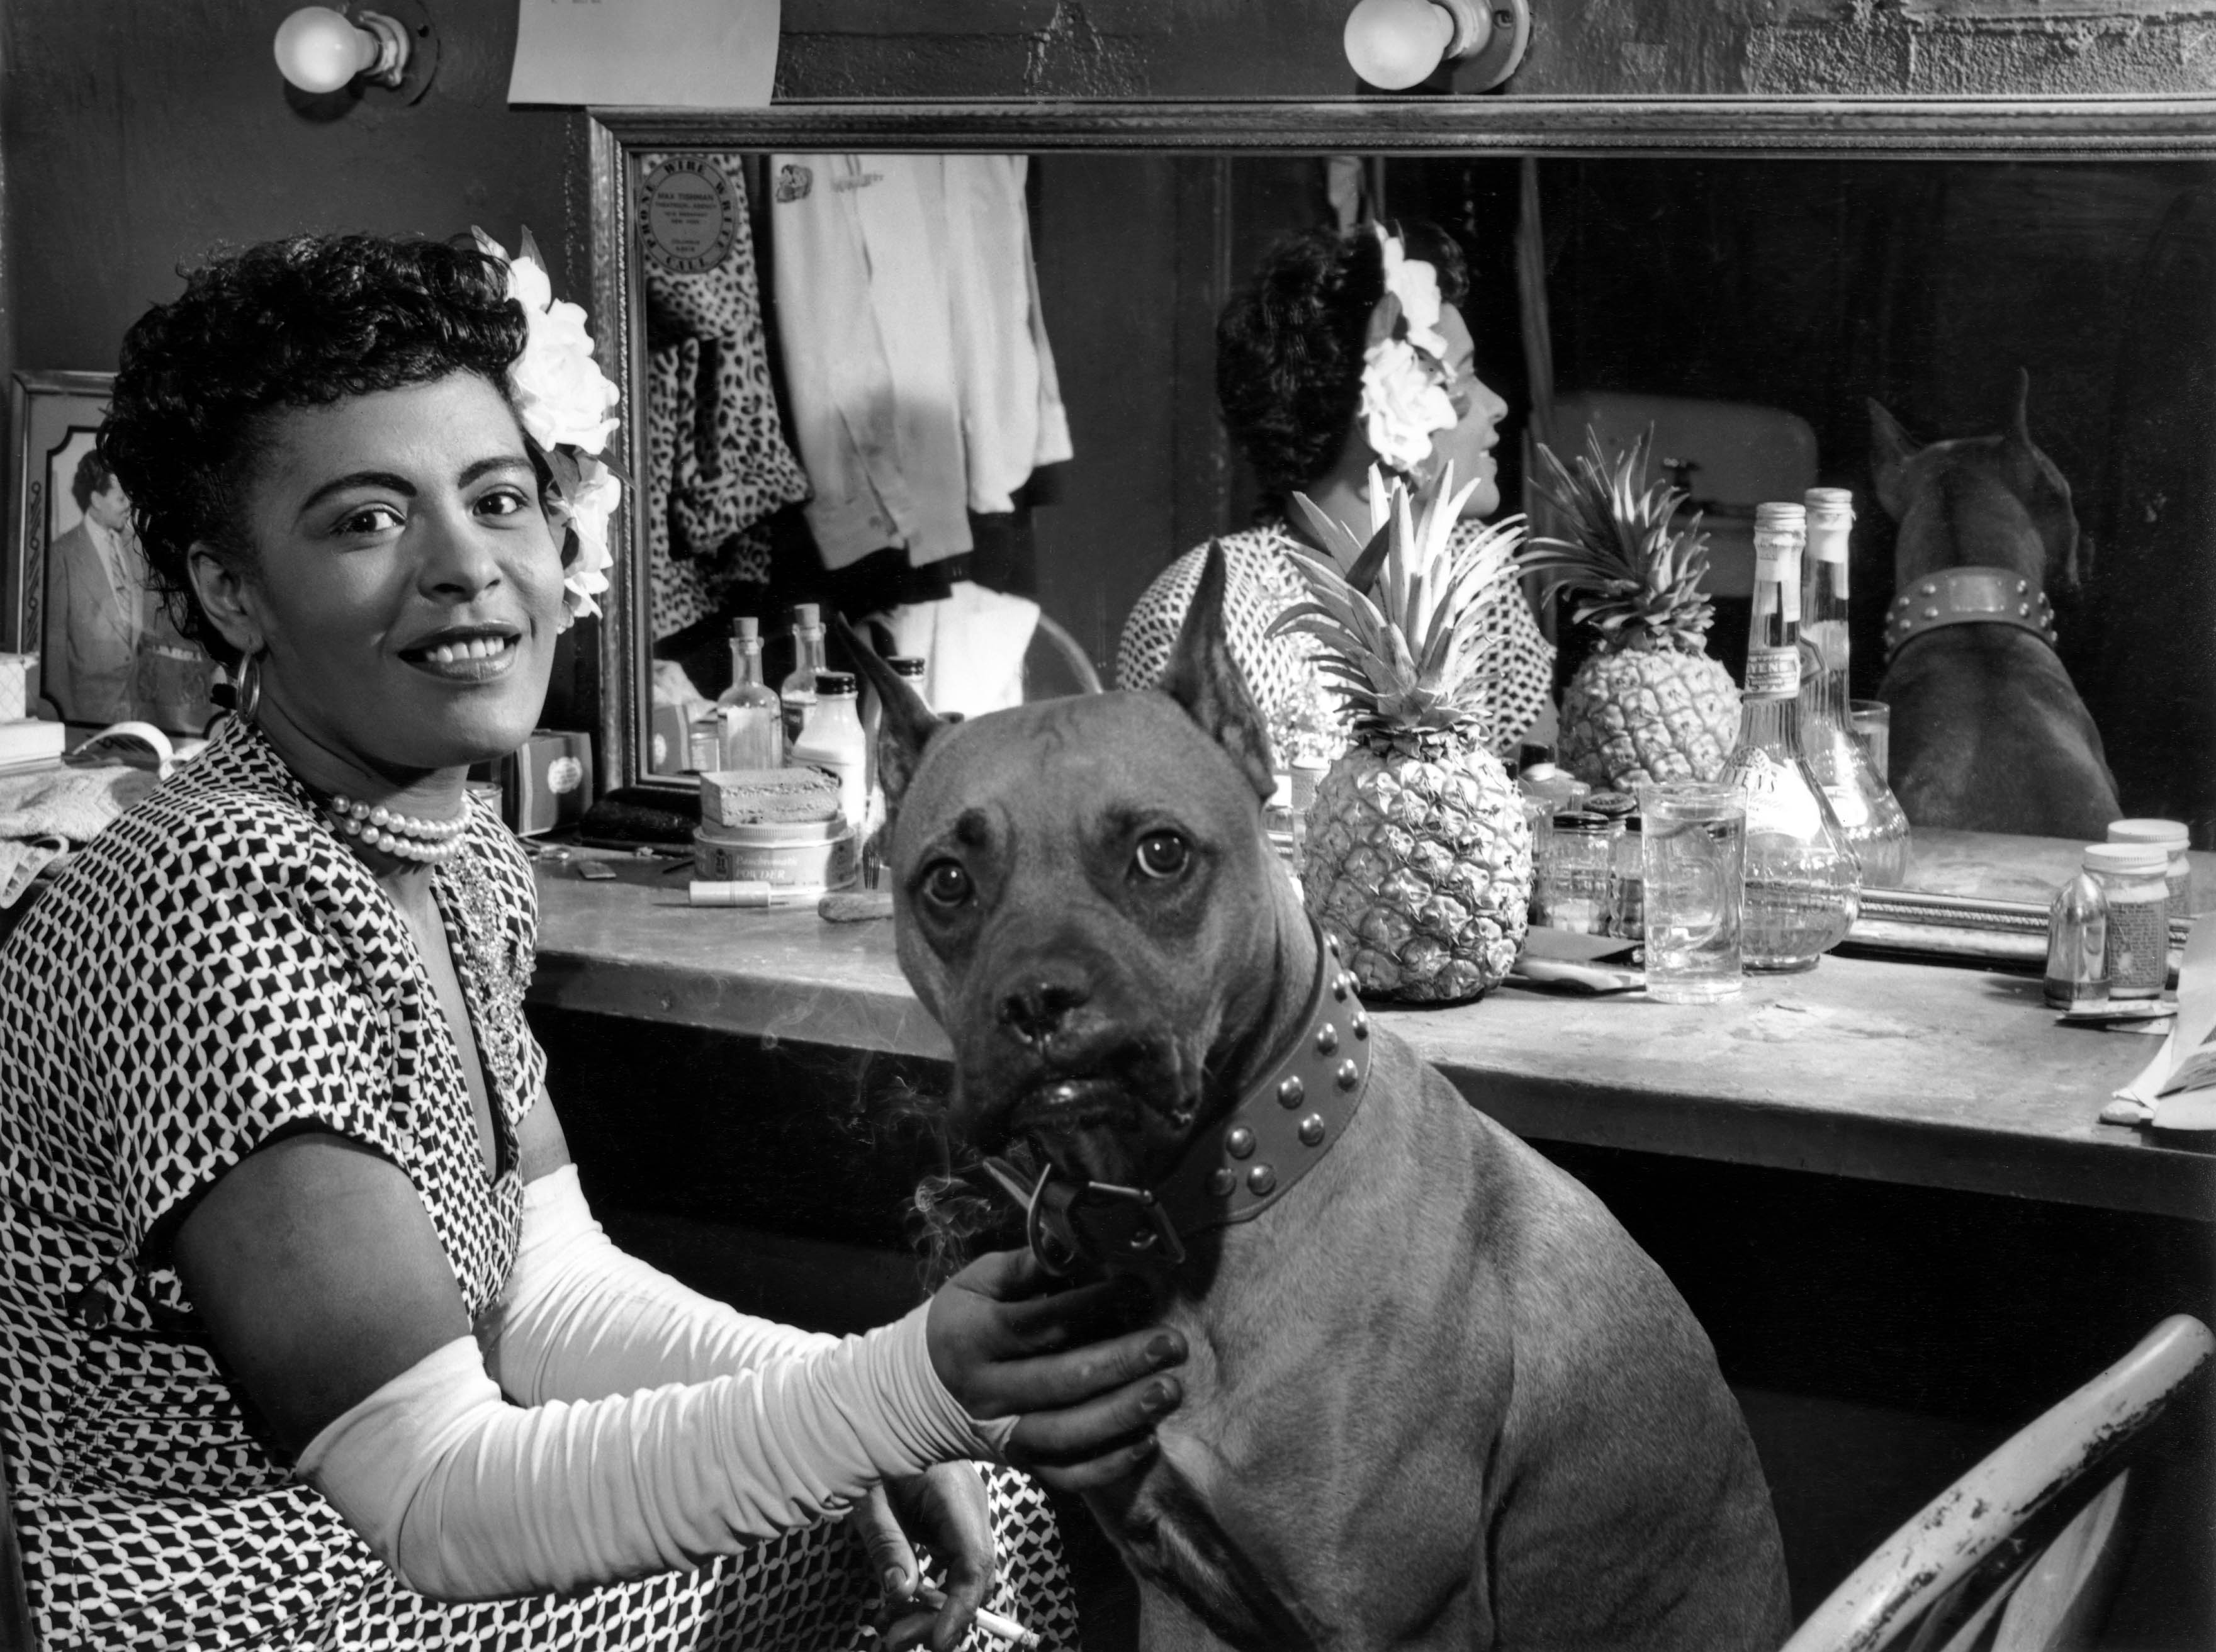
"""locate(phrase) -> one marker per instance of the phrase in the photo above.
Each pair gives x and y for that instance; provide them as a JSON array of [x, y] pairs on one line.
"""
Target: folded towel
[[47, 812], [973, 645]]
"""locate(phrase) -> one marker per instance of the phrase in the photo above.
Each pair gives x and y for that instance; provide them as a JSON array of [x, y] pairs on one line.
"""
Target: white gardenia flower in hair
[[596, 496], [1404, 404], [1415, 282], [566, 405]]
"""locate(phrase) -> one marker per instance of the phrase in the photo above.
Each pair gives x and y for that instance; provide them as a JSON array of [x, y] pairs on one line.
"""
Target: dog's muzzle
[[1232, 1171]]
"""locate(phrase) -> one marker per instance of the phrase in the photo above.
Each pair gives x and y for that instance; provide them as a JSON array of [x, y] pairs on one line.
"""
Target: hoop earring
[[249, 687]]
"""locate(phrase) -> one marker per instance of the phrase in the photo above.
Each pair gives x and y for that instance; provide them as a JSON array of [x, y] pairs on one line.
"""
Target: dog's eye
[[1163, 855], [946, 884]]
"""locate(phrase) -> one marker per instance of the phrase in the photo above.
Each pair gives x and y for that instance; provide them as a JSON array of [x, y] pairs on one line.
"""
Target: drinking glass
[[1694, 858], [1871, 719]]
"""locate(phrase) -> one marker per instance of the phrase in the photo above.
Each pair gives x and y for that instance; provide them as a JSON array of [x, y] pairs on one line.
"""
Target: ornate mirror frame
[[1740, 128]]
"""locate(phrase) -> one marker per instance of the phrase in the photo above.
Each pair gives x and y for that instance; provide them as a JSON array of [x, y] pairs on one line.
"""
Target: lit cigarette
[[1000, 1628]]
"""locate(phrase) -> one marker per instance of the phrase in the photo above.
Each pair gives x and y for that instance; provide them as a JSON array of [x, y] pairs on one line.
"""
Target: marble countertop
[[1937, 1076]]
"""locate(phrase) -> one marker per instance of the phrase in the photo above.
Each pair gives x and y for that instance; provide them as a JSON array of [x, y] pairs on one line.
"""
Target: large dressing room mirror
[[1778, 323]]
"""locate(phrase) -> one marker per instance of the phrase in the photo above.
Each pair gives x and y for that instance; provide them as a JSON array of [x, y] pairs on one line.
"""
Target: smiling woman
[[306, 1328]]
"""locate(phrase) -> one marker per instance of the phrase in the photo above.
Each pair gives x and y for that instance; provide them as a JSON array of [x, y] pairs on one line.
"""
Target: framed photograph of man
[[74, 588]]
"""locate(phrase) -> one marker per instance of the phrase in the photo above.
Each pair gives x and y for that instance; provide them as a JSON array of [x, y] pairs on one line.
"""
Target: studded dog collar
[[1969, 596], [1231, 1172]]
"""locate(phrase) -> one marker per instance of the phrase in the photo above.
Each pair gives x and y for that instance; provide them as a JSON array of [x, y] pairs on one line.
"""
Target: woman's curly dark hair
[[1289, 348], [298, 322]]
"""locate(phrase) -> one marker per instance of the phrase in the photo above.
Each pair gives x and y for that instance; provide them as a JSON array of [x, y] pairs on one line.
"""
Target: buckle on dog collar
[[1232, 1171], [1067, 1221], [1969, 596]]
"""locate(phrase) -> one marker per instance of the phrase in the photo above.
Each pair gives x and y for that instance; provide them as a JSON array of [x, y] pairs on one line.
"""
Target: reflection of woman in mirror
[[95, 603], [306, 1331], [1313, 408]]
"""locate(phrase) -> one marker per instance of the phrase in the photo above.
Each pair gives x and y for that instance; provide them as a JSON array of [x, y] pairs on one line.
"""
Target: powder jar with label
[[2133, 881]]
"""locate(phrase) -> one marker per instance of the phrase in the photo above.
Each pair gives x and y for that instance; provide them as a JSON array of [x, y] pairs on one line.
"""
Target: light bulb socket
[[393, 45], [1490, 40], [407, 25]]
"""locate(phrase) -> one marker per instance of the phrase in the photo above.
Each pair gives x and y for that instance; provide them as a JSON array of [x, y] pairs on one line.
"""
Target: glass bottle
[[750, 715], [1803, 883], [831, 740], [797, 691], [1875, 827]]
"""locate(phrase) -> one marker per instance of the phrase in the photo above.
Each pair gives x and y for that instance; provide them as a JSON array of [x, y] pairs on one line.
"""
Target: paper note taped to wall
[[671, 55]]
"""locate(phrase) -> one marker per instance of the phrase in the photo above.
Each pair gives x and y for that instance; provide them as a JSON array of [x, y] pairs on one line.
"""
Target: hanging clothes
[[916, 361], [718, 465]]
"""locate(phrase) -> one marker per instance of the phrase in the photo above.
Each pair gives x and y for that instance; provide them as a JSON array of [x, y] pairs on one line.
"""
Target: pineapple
[[1418, 858], [1650, 703]]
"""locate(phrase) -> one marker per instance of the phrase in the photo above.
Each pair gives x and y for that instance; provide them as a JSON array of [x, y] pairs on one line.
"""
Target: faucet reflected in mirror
[[1802, 291]]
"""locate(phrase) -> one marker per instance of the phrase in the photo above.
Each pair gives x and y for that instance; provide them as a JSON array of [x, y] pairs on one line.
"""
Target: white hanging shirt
[[916, 360]]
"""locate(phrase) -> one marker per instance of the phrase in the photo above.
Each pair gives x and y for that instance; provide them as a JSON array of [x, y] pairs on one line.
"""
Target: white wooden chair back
[[2043, 1601]]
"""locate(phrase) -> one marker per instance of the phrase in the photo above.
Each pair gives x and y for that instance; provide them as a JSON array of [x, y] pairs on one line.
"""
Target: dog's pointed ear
[[1891, 448], [906, 726], [2019, 424], [1204, 679]]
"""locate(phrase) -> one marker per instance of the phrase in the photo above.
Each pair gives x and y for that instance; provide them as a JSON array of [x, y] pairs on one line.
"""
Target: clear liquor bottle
[[749, 714], [797, 691], [1803, 883], [1870, 817]]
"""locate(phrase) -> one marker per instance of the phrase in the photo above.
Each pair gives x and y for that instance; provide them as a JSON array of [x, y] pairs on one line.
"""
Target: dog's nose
[[1036, 1011]]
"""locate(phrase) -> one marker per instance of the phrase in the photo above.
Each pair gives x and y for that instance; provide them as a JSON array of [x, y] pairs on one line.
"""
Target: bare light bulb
[[1396, 44], [320, 50]]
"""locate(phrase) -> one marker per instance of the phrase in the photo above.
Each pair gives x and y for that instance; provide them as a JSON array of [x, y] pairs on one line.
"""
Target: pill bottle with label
[[2133, 882], [2173, 839]]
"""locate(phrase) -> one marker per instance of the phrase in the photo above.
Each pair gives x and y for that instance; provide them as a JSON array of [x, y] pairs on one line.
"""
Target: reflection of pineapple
[[1418, 857], [1649, 703]]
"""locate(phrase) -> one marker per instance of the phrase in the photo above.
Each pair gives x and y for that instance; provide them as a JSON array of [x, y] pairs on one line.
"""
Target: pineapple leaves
[[1401, 632], [1639, 575]]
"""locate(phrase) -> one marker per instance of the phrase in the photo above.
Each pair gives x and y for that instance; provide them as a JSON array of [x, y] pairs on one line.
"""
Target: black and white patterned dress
[[214, 968], [1306, 716]]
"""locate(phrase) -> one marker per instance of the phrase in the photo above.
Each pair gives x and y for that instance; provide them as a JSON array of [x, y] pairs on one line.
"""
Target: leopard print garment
[[215, 967], [717, 461], [1305, 714]]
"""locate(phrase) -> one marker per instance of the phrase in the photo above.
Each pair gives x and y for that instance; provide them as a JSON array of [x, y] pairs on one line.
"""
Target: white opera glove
[[467, 1497], [580, 1320]]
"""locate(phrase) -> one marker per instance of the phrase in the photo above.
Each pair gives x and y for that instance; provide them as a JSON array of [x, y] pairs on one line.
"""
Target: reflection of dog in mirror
[[1988, 732], [1437, 1397]]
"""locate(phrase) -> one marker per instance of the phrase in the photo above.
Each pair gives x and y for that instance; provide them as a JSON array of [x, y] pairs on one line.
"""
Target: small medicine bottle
[[797, 691], [2172, 838], [2077, 944], [749, 716], [831, 740], [2136, 954], [1627, 882]]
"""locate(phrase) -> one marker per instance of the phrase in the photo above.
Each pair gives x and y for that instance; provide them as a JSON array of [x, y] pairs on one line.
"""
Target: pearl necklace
[[431, 842]]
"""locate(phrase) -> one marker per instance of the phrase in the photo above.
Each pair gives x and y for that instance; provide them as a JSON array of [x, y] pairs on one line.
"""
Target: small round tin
[[819, 854]]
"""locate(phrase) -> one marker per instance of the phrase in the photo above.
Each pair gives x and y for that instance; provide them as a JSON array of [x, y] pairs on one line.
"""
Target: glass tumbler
[[1693, 840]]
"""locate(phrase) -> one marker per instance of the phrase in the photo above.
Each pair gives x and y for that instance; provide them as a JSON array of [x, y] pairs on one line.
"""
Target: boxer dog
[[1436, 1396], [1988, 732]]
